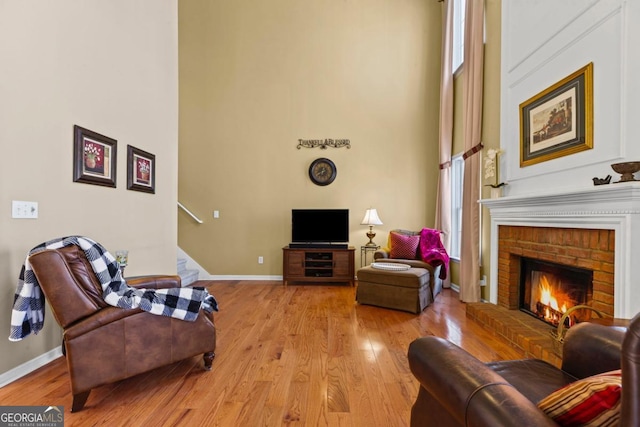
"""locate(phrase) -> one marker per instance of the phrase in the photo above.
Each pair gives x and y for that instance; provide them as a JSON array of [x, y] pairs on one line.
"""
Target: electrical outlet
[[483, 281], [216, 214], [260, 260], [21, 209]]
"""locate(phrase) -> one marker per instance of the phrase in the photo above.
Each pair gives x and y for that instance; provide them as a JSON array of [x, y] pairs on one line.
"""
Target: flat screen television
[[319, 227]]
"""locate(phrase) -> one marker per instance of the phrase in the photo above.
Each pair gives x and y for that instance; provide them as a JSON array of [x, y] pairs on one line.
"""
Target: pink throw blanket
[[432, 250]]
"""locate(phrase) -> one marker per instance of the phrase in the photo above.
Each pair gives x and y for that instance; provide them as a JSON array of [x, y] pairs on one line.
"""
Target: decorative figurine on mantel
[[601, 181], [626, 169]]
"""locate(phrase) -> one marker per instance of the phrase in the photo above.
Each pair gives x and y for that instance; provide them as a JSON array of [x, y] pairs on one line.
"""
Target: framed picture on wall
[[94, 158], [559, 120], [141, 170]]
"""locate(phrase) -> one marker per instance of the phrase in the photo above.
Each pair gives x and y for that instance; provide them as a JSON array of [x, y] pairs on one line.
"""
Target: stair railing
[[198, 220]]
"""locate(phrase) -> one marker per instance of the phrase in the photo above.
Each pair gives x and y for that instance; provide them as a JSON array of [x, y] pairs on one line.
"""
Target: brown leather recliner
[[104, 344], [456, 389]]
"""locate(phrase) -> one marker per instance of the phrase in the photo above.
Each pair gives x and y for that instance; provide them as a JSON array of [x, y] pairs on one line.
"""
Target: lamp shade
[[371, 218]]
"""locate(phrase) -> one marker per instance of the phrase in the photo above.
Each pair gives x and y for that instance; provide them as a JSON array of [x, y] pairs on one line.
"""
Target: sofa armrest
[[158, 281], [99, 319], [382, 253], [111, 315], [591, 349], [471, 394]]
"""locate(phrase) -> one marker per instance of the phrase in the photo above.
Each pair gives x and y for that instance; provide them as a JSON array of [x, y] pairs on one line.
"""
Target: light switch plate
[[25, 210]]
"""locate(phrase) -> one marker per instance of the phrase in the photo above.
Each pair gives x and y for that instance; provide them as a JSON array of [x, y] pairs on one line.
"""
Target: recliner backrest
[[68, 282]]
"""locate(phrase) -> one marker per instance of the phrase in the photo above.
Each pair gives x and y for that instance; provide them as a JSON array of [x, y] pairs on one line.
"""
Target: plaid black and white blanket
[[27, 315]]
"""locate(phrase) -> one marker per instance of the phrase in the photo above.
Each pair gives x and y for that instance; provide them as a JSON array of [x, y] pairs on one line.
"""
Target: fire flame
[[547, 298]]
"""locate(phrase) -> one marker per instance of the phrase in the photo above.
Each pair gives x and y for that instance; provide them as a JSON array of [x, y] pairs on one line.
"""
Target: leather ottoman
[[406, 290]]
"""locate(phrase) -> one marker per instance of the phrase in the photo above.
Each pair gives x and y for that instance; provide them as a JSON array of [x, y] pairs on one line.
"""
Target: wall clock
[[322, 171]]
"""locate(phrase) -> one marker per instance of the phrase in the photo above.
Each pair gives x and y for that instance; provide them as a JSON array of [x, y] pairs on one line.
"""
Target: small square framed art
[[141, 170], [94, 158]]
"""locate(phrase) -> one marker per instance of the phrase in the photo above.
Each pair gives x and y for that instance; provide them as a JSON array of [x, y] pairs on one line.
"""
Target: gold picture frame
[[559, 120]]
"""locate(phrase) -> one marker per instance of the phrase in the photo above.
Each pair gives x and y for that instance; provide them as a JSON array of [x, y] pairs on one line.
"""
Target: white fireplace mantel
[[607, 207]]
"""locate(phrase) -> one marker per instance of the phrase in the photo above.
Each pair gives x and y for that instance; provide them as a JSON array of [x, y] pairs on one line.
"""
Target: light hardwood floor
[[301, 355]]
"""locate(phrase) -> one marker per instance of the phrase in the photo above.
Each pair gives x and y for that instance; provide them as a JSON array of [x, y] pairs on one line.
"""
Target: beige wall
[[257, 76], [107, 66]]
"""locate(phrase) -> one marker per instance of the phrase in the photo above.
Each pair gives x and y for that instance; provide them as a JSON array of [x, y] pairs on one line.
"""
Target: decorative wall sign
[[559, 120], [323, 143], [94, 158], [141, 170]]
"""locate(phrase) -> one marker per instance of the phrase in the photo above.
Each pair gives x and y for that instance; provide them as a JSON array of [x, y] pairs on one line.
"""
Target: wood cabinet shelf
[[318, 265]]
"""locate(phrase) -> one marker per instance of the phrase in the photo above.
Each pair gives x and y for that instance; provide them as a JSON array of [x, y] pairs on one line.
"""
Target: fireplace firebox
[[548, 290]]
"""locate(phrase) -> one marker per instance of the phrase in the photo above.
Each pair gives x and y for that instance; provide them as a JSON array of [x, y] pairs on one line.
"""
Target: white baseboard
[[456, 288], [232, 277], [30, 366]]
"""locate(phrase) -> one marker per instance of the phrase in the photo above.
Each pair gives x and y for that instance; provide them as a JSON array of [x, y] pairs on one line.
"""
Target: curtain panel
[[472, 130], [443, 200]]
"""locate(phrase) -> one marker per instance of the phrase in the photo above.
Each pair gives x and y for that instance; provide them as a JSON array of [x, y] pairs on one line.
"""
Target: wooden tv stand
[[318, 265]]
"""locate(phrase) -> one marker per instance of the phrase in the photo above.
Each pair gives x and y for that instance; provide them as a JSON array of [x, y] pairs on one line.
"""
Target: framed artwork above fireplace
[[559, 120]]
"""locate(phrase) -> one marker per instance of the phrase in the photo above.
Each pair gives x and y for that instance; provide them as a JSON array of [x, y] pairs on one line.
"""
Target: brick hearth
[[526, 334], [586, 248]]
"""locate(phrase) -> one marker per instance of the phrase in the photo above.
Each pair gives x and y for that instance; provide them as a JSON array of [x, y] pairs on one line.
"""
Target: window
[[458, 33], [457, 180]]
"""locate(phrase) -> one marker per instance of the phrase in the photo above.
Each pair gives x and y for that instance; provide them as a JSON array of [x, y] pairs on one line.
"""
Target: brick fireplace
[[596, 228], [574, 247]]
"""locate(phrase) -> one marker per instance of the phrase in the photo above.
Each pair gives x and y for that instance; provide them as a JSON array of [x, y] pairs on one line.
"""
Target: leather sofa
[[456, 389], [105, 344]]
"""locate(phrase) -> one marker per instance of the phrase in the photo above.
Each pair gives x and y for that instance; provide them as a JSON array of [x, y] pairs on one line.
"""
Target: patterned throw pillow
[[403, 247], [593, 401]]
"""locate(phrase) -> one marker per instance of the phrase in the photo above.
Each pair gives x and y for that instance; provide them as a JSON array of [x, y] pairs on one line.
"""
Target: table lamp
[[371, 218]]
